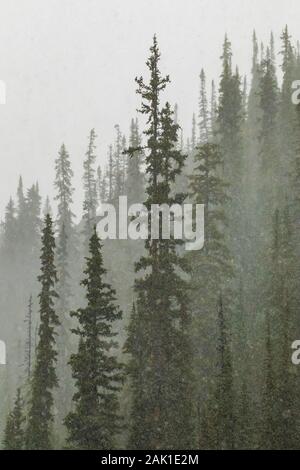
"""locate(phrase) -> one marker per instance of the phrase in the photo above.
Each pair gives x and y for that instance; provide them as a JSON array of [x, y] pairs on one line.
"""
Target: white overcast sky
[[69, 65]]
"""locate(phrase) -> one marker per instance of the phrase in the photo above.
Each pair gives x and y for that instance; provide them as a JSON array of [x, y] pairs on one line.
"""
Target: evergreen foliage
[[95, 421], [44, 379]]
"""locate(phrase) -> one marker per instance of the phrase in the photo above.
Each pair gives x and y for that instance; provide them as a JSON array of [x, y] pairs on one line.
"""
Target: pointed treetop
[[255, 53], [226, 56]]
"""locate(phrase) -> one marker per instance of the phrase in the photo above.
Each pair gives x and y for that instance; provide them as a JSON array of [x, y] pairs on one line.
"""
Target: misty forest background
[[143, 345]]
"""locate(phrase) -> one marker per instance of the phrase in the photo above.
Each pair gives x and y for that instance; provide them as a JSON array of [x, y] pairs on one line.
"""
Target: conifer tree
[[244, 97], [230, 118], [101, 186], [193, 138], [287, 110], [230, 122], [135, 178], [67, 265], [211, 270], [10, 231], [203, 111], [288, 284], [32, 219], [67, 252], [21, 201], [14, 430], [95, 420], [90, 189], [28, 346], [62, 305], [64, 190], [47, 207], [269, 123], [44, 379], [162, 404], [253, 108], [224, 384], [27, 242], [213, 112], [118, 166], [63, 287], [269, 402], [110, 175], [279, 400]]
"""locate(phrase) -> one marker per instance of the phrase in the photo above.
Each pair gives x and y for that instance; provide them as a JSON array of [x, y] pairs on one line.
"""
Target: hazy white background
[[69, 65]]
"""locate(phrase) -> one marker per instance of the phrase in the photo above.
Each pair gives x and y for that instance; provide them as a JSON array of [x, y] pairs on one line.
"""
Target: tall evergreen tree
[[67, 266], [203, 111], [287, 110], [32, 221], [101, 185], [28, 345], [193, 137], [279, 399], [162, 405], [118, 166], [213, 112], [230, 138], [95, 421], [14, 430], [90, 189], [9, 231], [44, 380], [211, 273], [110, 175], [269, 123], [224, 385], [64, 190], [47, 207], [135, 178], [230, 118]]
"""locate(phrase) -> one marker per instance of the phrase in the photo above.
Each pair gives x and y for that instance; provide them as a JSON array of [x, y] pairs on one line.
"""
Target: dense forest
[[132, 344]]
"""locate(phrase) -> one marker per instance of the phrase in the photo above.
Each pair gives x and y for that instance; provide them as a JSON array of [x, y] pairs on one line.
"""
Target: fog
[[69, 65]]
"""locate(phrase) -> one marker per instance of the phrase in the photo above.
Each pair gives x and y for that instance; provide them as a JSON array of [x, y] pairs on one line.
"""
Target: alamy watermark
[[296, 93], [2, 92], [2, 353], [296, 354], [178, 221]]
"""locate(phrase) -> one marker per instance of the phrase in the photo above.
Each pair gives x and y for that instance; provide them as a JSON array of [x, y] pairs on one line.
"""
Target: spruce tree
[[21, 203], [64, 190], [287, 110], [32, 220], [269, 121], [211, 274], [14, 429], [288, 284], [110, 176], [67, 266], [134, 187], [90, 189], [224, 384], [119, 169], [101, 186], [230, 118], [230, 122], [44, 379], [203, 111], [28, 345], [213, 112], [279, 398], [162, 403], [193, 137], [47, 207], [9, 227], [95, 421]]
